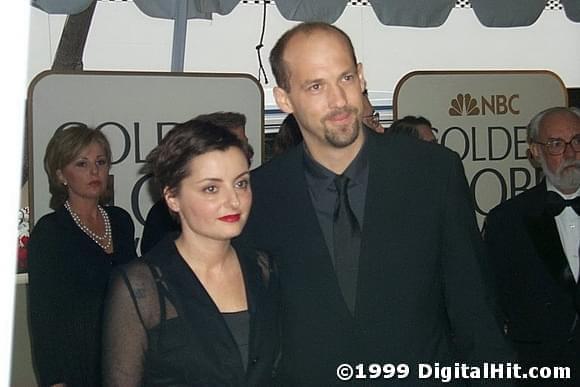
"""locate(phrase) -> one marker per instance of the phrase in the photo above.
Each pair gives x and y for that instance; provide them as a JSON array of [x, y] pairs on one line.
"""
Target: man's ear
[[170, 199], [282, 100], [535, 151], [361, 77]]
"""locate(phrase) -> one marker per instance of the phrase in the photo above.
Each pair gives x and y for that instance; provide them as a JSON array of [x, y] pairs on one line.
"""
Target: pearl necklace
[[102, 240]]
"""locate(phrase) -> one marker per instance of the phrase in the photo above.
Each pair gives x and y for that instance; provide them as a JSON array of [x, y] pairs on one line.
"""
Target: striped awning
[[409, 13]]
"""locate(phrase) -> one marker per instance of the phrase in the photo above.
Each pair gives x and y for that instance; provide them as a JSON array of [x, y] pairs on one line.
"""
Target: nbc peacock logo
[[464, 105]]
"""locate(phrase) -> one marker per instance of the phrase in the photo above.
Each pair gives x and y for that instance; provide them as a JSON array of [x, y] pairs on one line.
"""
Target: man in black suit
[[375, 239], [533, 240]]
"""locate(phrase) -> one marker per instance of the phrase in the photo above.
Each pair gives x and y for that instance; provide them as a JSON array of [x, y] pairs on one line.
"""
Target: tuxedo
[[538, 293], [422, 295]]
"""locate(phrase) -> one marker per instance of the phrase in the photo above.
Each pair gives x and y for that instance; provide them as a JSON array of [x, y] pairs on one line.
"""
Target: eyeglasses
[[374, 119], [557, 146]]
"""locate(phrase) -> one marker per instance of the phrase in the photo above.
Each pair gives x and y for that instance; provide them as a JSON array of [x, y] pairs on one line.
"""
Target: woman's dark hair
[[64, 146], [169, 161]]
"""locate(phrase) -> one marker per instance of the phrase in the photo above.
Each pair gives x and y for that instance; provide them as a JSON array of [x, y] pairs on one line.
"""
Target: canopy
[[409, 13]]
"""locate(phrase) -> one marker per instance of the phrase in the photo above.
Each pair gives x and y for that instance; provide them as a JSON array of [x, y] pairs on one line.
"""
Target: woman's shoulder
[[138, 273], [48, 224], [136, 267], [48, 239], [137, 281], [47, 220]]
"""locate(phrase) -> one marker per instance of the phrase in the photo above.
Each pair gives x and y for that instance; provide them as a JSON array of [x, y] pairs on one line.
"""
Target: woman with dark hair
[[71, 252], [195, 311]]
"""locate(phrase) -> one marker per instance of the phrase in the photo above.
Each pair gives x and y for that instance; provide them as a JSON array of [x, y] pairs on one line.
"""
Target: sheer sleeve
[[131, 309]]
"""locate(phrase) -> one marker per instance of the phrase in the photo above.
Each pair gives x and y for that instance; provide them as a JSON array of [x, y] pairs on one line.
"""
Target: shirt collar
[[324, 176]]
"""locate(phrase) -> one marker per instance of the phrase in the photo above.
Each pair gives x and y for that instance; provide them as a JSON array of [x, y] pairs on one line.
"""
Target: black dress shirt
[[323, 192]]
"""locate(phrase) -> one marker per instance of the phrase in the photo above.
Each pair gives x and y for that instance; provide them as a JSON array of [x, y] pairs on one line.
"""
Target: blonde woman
[[71, 253]]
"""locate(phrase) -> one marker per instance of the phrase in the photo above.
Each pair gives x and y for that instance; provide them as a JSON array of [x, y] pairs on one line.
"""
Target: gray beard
[[564, 181]]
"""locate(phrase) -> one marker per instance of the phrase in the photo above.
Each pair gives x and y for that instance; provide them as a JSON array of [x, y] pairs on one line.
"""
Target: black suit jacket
[[421, 279], [538, 294]]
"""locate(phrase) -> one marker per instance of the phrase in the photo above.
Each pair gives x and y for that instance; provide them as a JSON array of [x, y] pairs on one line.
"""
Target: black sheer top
[[163, 329]]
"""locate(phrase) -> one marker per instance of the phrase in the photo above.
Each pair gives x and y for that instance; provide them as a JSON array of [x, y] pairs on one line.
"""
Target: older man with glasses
[[533, 241]]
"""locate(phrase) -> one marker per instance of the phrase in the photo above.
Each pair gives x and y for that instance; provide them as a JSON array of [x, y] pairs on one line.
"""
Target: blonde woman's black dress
[[68, 277]]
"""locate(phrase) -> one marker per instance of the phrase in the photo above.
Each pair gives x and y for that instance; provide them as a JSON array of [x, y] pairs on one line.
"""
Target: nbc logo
[[463, 105], [497, 104]]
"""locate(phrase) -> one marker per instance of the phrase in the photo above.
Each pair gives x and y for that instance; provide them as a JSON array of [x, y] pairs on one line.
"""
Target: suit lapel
[[376, 242], [307, 220], [305, 224]]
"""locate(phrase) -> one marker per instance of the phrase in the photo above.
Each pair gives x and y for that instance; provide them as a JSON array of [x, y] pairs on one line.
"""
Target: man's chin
[[342, 138], [570, 170], [566, 178], [567, 181]]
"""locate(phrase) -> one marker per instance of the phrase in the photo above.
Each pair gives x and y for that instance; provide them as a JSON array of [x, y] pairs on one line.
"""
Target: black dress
[[68, 277], [162, 328]]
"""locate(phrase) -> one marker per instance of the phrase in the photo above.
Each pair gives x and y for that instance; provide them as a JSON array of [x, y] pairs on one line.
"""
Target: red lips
[[230, 218]]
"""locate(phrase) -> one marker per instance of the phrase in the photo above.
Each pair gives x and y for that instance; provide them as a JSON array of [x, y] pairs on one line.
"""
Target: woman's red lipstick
[[232, 218]]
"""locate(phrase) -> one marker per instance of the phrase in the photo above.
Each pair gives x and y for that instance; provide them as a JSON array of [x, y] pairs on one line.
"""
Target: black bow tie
[[555, 204]]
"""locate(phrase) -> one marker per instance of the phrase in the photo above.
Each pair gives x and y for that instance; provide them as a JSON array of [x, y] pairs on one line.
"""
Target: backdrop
[[134, 110], [482, 115]]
